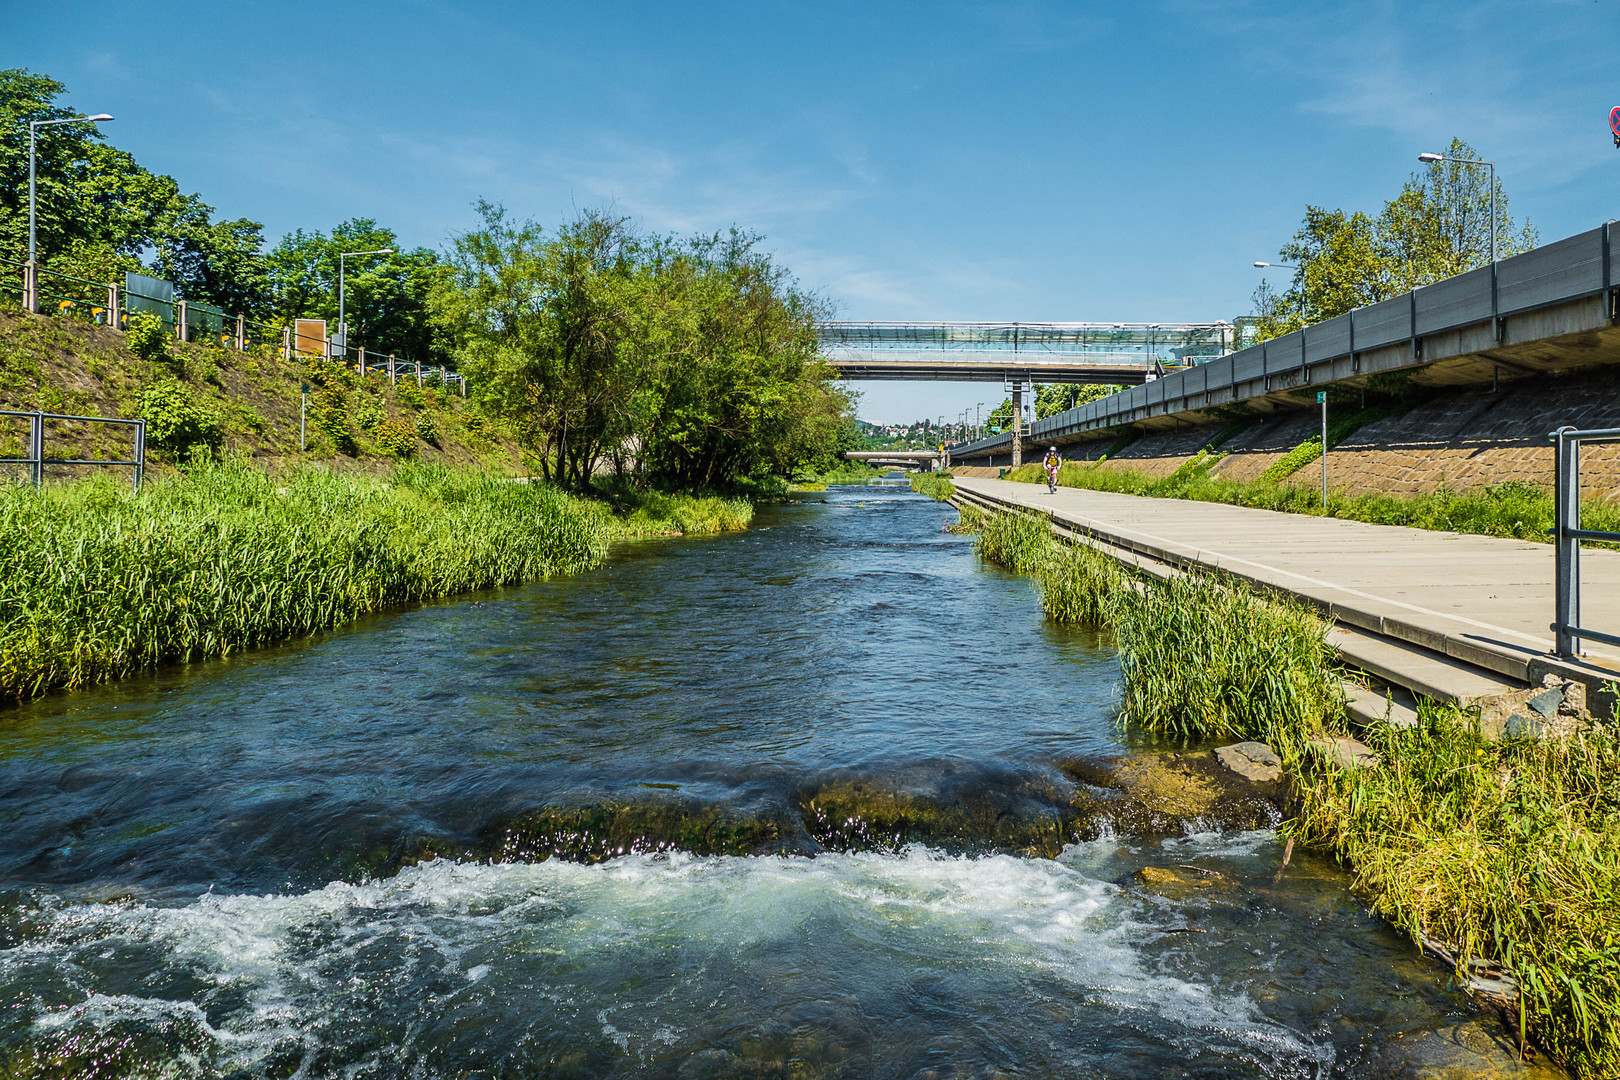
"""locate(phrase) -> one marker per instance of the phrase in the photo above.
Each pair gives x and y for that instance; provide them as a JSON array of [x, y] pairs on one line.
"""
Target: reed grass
[[1508, 852], [96, 582], [1020, 542], [934, 485]]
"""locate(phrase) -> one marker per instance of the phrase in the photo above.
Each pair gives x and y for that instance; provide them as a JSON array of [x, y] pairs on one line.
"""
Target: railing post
[[140, 453], [30, 296], [180, 320], [36, 447], [112, 305], [390, 369], [362, 361], [1566, 548], [286, 344], [241, 333]]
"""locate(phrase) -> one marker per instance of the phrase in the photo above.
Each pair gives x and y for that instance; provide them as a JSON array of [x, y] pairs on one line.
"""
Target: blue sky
[[1107, 162]]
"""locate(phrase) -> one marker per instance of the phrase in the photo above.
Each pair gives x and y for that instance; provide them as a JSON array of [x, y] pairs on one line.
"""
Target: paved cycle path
[[1480, 599]]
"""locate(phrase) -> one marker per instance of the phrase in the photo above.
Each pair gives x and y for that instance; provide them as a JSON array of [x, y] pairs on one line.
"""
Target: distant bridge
[[1009, 352]]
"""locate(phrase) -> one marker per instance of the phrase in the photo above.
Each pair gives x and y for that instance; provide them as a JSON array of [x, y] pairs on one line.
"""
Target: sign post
[[1321, 399]]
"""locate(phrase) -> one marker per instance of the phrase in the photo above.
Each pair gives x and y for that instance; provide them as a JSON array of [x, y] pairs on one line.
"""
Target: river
[[326, 859]]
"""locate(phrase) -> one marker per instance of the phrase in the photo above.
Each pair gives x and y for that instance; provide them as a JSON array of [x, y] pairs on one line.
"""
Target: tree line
[[1437, 226], [686, 361]]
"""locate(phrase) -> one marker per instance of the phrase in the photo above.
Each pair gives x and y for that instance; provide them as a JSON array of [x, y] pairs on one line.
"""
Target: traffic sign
[[1321, 396], [1614, 123]]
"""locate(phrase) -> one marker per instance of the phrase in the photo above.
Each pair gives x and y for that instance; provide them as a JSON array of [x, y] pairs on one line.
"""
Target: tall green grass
[[1513, 509], [934, 485], [1509, 852], [96, 582]]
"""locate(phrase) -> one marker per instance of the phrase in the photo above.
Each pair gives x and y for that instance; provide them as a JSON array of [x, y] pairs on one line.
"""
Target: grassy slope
[[66, 365]]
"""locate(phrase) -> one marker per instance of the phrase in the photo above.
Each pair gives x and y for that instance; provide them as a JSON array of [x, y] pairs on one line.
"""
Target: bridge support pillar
[[1018, 424]]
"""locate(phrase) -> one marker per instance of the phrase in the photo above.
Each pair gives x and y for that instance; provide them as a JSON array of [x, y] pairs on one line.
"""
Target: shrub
[[396, 438], [146, 337], [329, 408], [428, 428], [370, 412], [178, 424], [411, 394]]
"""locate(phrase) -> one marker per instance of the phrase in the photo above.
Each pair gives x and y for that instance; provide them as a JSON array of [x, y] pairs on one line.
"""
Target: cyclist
[[1051, 463]]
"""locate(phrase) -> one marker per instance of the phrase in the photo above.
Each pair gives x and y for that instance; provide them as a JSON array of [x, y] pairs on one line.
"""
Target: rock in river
[[1251, 760]]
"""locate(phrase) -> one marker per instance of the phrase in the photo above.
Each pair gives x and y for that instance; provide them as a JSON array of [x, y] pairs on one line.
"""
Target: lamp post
[[343, 327], [1435, 159], [33, 169], [1283, 266]]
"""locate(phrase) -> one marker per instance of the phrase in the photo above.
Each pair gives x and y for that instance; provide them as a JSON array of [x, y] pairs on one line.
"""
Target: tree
[[99, 213], [697, 357], [1436, 227], [1057, 397], [388, 299]]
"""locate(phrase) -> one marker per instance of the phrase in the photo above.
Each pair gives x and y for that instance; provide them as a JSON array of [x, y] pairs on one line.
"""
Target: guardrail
[[192, 321], [1568, 536], [36, 459], [1574, 268]]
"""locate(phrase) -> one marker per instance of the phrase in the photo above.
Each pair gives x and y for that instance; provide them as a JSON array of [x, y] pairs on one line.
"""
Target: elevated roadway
[[1549, 310]]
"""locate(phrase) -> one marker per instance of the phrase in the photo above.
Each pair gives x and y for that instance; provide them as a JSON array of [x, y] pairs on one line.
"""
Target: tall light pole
[[1283, 266], [343, 327], [1433, 159], [33, 170]]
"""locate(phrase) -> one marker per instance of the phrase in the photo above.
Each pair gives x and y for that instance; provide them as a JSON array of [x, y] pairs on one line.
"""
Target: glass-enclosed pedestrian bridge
[[1044, 352]]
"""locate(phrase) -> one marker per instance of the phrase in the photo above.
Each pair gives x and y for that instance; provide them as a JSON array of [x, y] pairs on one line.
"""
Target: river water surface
[[327, 859]]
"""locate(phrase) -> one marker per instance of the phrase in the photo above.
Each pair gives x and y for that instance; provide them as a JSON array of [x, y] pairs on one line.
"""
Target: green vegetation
[[1513, 509], [1437, 227], [179, 423], [934, 485], [696, 358], [96, 582], [845, 472], [1506, 852]]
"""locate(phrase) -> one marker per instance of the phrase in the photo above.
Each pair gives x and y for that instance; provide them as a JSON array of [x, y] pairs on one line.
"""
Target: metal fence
[[36, 459], [1568, 537], [199, 323]]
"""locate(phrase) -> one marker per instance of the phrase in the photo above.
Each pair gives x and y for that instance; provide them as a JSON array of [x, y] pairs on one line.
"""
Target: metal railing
[[1568, 536], [36, 459], [199, 323]]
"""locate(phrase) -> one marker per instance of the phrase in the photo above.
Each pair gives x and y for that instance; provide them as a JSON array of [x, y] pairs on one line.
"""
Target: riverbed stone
[[1251, 760], [1343, 752]]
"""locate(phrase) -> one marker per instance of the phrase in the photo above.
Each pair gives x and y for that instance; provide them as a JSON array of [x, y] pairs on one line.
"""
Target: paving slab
[[1480, 599]]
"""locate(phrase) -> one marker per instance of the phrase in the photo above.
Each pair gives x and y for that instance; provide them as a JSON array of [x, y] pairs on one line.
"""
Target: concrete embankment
[[1446, 616], [1457, 439]]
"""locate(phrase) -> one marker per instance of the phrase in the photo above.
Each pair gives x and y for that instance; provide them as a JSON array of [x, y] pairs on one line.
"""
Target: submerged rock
[[1251, 760], [1180, 883]]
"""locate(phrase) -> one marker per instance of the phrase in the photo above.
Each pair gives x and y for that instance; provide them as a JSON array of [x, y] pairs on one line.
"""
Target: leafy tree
[[1437, 226], [388, 299], [99, 213], [1055, 398], [697, 357]]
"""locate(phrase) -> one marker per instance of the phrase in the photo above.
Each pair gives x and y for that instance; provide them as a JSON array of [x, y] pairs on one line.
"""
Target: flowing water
[[804, 781]]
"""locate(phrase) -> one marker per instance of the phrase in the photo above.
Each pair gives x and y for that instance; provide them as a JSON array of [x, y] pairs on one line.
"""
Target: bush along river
[[826, 798]]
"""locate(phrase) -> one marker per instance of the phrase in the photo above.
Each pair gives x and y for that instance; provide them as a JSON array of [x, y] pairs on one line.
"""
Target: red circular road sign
[[1614, 123]]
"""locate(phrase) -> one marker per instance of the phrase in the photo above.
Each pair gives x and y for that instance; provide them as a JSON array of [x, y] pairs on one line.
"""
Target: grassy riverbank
[[1511, 510], [1508, 853], [96, 583]]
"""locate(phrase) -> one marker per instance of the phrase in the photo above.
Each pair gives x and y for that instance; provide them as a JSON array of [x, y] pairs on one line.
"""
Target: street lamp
[[1284, 266], [33, 131], [343, 328], [1435, 159]]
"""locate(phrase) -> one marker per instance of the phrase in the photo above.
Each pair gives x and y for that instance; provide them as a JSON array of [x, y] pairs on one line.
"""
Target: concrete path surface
[[1482, 600]]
